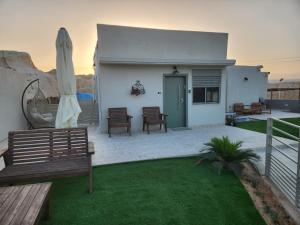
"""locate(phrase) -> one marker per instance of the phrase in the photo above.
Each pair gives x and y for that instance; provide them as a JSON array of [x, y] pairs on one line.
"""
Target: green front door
[[175, 100]]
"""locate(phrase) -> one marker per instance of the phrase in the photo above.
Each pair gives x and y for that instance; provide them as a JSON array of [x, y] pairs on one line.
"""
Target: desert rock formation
[[21, 64], [84, 83]]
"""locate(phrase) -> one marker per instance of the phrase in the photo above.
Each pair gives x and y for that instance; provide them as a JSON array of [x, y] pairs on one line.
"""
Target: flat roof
[[135, 45], [158, 29], [147, 61]]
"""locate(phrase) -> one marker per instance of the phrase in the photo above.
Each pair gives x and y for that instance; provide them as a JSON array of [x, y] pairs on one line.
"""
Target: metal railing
[[283, 160]]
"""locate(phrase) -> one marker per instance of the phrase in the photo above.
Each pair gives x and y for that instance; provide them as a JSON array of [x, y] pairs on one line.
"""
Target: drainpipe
[[281, 79], [226, 89], [98, 86]]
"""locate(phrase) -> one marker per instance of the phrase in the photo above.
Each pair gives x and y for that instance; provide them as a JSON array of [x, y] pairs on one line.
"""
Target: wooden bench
[[22, 205], [47, 154]]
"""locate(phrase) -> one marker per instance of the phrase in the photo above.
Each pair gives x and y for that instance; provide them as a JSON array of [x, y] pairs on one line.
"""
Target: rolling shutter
[[206, 78]]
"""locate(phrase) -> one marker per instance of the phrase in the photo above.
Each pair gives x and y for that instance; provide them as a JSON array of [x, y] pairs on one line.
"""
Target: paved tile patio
[[277, 114], [141, 146]]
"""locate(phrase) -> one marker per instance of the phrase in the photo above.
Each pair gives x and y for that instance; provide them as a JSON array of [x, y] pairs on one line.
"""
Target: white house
[[245, 84], [183, 72]]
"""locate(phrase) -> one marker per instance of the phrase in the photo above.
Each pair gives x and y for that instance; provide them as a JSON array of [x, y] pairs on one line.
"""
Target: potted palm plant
[[226, 154]]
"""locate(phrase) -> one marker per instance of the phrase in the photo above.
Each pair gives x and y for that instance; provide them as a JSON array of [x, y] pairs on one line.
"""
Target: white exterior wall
[[120, 42], [11, 86], [207, 113], [239, 90], [126, 54], [115, 86]]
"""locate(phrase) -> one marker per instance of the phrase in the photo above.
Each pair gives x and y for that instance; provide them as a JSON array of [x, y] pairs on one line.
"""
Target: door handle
[[180, 99], [178, 95]]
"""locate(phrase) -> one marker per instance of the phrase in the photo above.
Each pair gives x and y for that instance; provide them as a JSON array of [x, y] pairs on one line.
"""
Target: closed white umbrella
[[68, 109]]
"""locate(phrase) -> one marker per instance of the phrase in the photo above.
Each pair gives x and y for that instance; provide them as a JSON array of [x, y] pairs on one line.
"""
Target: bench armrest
[[129, 117], [3, 148], [2, 151], [163, 116], [91, 147]]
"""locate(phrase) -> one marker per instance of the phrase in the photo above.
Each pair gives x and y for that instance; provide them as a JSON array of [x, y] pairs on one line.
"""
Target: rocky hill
[[21, 63], [84, 83]]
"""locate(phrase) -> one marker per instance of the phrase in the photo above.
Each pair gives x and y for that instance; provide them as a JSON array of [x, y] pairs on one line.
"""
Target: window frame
[[218, 101], [205, 91], [205, 97]]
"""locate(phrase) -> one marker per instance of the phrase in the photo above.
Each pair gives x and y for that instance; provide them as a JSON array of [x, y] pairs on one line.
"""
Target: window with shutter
[[206, 85]]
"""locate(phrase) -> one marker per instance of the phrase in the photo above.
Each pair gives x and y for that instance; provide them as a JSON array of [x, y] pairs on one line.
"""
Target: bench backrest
[[44, 145]]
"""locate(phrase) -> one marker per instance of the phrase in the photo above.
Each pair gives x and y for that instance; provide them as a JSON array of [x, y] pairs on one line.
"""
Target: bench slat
[[13, 210], [47, 141], [23, 209], [8, 202], [34, 209], [46, 130], [46, 149], [57, 144], [25, 203]]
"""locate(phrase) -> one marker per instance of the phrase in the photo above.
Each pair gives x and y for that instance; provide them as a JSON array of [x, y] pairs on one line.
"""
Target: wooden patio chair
[[238, 108], [152, 116], [256, 107], [118, 117]]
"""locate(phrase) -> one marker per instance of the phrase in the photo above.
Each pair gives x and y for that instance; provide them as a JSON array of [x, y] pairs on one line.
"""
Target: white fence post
[[268, 146], [297, 199], [281, 171]]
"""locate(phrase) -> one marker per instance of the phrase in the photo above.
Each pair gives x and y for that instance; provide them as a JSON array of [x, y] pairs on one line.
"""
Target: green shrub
[[226, 154]]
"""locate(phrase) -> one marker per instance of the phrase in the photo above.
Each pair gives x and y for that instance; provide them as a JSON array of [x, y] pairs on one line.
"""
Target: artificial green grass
[[160, 192], [261, 126]]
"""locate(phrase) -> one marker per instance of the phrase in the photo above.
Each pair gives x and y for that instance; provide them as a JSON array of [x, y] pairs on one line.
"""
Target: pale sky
[[263, 32]]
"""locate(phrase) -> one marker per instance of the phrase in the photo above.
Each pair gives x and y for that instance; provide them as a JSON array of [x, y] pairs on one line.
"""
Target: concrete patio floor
[[122, 148], [141, 146], [277, 114]]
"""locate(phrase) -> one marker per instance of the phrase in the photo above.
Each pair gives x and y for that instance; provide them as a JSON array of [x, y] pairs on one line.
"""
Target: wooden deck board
[[22, 204]]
